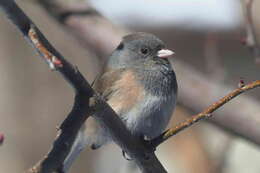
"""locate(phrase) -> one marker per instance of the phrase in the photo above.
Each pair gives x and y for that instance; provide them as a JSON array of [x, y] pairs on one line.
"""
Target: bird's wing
[[103, 84], [120, 88]]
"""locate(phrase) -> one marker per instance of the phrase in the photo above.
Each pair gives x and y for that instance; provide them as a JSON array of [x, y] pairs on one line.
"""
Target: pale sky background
[[190, 14]]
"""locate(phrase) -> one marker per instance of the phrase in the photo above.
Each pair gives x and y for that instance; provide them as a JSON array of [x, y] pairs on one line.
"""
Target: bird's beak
[[165, 53]]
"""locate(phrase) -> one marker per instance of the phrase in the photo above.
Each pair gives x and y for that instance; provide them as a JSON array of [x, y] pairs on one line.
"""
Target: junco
[[138, 82]]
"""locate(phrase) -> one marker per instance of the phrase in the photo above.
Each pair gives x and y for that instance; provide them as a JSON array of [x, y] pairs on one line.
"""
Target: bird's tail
[[90, 135], [79, 144]]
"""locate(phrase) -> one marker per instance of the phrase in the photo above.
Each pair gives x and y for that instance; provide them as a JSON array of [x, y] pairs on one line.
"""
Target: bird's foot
[[148, 144]]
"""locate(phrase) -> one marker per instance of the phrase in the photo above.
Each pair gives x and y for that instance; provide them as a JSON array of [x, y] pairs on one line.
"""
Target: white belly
[[151, 116]]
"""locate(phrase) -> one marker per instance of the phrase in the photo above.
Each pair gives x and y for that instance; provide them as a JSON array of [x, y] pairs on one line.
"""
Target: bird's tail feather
[[79, 144], [91, 135]]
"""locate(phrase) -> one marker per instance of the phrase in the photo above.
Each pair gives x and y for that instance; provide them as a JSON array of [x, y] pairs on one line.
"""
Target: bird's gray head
[[146, 55], [138, 47]]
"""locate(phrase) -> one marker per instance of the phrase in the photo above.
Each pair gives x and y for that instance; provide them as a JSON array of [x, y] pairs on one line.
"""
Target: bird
[[139, 83]]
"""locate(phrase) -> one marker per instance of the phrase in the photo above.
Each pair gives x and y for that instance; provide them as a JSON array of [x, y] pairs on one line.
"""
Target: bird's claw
[[148, 144]]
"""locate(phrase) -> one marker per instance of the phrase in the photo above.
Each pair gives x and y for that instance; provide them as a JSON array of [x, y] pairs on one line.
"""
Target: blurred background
[[205, 35]]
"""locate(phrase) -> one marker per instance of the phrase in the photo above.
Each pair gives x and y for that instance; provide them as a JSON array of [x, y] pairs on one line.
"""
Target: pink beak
[[165, 53]]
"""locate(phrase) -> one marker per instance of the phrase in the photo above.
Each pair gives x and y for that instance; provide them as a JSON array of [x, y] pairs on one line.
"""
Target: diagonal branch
[[204, 114], [68, 129], [83, 106]]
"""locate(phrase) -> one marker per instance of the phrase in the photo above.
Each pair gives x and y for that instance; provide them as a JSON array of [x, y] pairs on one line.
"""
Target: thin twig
[[204, 114]]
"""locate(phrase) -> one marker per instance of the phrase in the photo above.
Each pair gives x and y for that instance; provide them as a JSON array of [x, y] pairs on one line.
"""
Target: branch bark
[[80, 111], [241, 122]]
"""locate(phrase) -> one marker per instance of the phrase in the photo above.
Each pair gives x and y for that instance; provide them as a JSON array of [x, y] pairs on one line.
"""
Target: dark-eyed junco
[[139, 83]]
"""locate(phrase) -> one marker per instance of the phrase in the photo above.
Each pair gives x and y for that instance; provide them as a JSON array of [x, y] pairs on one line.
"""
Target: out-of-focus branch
[[2, 138], [86, 24], [86, 103], [204, 114], [251, 39], [213, 63], [196, 91]]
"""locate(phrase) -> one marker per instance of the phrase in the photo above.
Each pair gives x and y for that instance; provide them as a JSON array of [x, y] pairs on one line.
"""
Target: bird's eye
[[144, 50], [120, 46]]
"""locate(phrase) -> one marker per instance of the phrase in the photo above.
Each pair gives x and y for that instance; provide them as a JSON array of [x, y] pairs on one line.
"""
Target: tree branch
[[2, 138], [204, 114], [240, 117], [83, 106], [86, 24], [80, 111], [241, 122]]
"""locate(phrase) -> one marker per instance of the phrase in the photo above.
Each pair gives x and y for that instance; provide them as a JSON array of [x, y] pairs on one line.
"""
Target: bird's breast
[[126, 92], [143, 112]]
